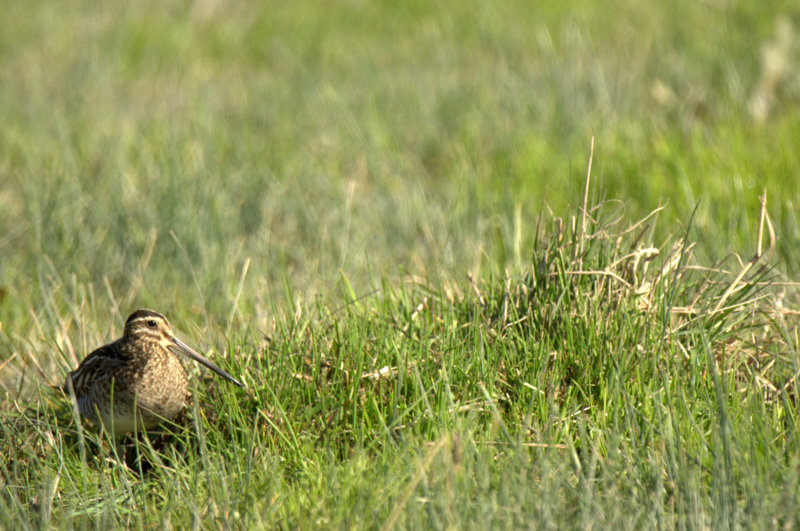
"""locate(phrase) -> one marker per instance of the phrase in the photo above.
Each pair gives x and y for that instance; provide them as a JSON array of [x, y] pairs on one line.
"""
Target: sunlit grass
[[373, 213], [612, 380]]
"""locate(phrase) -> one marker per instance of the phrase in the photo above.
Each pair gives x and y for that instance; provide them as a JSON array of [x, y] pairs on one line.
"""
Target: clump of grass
[[610, 352]]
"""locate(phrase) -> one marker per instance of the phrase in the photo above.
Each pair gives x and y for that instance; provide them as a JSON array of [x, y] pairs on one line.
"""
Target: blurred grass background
[[375, 138]]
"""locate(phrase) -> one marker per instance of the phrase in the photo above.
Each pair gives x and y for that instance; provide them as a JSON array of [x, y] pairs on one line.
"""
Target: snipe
[[136, 381]]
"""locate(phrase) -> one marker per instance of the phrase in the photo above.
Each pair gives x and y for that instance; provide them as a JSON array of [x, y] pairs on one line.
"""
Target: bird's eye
[[152, 323]]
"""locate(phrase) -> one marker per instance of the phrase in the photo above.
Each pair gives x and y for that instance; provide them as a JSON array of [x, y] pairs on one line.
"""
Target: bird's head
[[149, 326]]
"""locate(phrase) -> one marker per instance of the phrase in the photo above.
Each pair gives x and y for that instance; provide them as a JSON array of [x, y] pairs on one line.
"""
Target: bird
[[136, 382]]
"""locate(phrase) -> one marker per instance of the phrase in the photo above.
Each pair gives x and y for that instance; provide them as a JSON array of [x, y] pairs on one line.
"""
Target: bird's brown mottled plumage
[[136, 378]]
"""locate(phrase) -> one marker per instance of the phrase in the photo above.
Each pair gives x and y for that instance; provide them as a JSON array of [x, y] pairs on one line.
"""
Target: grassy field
[[480, 264]]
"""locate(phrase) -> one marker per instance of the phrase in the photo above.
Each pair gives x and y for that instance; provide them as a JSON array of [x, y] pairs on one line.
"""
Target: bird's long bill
[[186, 349]]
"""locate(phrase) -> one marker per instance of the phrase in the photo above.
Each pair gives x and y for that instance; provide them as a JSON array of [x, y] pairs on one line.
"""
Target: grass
[[378, 215]]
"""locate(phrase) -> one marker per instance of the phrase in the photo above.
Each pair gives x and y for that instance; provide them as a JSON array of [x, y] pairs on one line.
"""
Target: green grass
[[372, 213]]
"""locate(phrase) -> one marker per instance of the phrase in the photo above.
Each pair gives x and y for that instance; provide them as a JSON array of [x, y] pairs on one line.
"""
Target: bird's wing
[[99, 361]]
